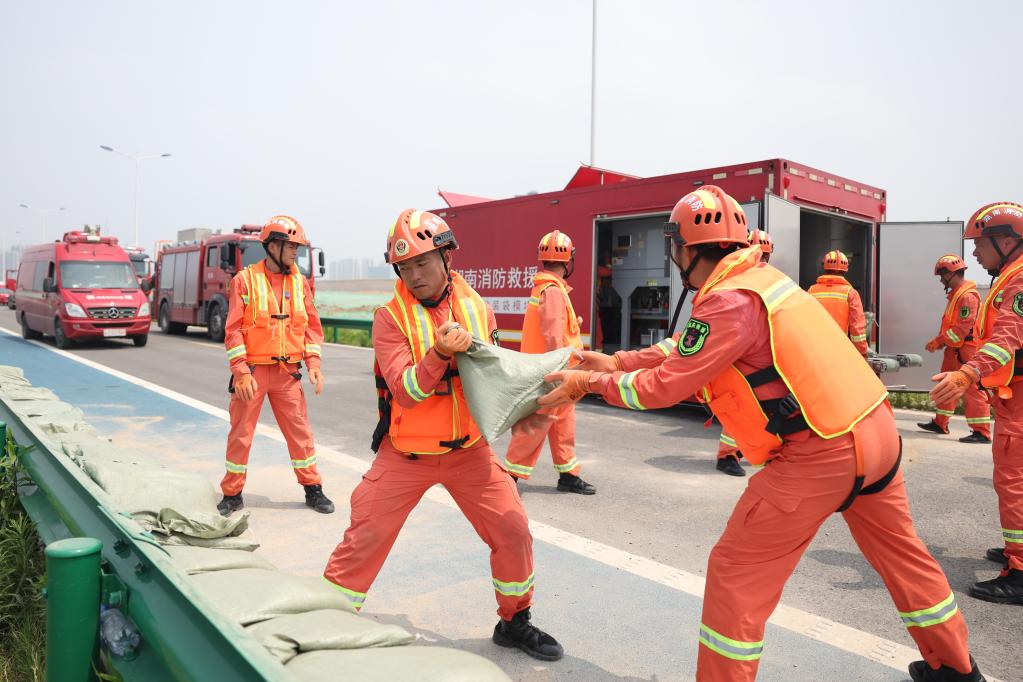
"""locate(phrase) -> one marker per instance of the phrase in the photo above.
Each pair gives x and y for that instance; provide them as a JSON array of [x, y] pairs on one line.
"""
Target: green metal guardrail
[[184, 637], [333, 325]]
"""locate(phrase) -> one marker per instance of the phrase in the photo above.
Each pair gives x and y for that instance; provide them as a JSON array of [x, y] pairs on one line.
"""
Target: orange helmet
[[415, 233], [555, 247], [707, 216], [1001, 219], [951, 262], [836, 261], [762, 238], [283, 228]]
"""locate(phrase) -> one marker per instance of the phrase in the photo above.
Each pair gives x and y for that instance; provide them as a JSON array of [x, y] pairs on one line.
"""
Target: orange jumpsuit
[[396, 482], [960, 348], [528, 435], [1007, 337], [785, 504], [276, 382], [843, 302]]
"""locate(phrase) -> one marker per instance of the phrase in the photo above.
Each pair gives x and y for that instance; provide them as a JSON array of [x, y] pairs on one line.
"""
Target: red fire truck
[[191, 281], [626, 288]]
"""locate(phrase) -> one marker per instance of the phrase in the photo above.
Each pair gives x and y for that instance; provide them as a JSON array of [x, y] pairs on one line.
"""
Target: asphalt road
[[659, 495]]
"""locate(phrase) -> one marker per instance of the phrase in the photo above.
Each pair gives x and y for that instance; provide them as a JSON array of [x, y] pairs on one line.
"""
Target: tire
[[59, 337], [164, 321], [215, 323], [140, 341], [26, 332]]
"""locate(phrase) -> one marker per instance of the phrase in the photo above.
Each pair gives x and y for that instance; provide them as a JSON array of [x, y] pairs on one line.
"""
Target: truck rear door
[[910, 298], [781, 221]]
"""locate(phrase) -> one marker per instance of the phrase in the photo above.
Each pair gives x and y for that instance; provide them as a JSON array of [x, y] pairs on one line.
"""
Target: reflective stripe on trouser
[[557, 426], [1008, 480], [288, 404], [776, 519], [357, 599], [726, 445], [975, 401], [480, 487]]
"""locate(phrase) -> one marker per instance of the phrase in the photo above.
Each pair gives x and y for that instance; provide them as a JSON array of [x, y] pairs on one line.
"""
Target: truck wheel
[[140, 341], [216, 323], [59, 337], [166, 326], [26, 332]]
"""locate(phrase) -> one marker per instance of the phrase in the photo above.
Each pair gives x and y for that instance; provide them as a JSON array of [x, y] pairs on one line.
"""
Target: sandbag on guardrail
[[289, 636], [386, 665], [194, 560], [251, 595], [501, 385]]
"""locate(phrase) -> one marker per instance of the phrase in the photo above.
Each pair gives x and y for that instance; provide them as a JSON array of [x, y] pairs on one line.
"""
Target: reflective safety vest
[[832, 291], [273, 331], [1011, 370], [953, 314], [832, 388], [532, 334], [441, 421]]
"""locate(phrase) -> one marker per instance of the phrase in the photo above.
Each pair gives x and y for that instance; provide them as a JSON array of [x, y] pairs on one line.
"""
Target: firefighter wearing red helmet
[[997, 234], [271, 328], [956, 337], [550, 323], [766, 358], [427, 436], [841, 300]]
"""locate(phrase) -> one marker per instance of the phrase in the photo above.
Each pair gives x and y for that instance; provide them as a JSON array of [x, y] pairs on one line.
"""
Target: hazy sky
[[343, 113]]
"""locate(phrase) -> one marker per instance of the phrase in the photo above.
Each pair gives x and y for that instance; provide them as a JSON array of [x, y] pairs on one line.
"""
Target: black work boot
[[729, 464], [997, 555], [519, 632], [975, 437], [230, 503], [570, 483], [1005, 589], [315, 498], [933, 427], [921, 672]]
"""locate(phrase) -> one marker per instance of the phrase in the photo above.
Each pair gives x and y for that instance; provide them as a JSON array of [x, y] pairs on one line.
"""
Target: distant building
[[358, 268]]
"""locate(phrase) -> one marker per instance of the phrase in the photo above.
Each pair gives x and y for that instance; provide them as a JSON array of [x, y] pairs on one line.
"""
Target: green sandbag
[[252, 595], [288, 636], [244, 542], [414, 664], [502, 385], [12, 376], [30, 393], [194, 560]]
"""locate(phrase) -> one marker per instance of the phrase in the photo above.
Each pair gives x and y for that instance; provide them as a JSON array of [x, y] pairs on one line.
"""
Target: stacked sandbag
[[309, 626]]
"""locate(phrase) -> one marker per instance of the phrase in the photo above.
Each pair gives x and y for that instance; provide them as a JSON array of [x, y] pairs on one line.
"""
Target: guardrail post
[[72, 610]]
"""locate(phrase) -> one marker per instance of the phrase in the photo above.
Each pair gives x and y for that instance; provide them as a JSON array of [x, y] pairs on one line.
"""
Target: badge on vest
[[1017, 304], [964, 311], [693, 337]]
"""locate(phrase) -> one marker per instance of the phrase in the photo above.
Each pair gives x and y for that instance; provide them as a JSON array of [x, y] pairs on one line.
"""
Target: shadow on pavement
[[698, 464]]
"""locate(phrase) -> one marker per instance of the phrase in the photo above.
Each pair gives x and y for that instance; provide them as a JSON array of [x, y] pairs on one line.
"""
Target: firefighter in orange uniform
[[550, 323], [728, 451], [272, 326], [841, 300], [956, 337], [767, 360], [426, 435], [997, 231]]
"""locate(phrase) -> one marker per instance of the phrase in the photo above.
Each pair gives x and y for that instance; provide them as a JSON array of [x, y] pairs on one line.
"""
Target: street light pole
[[138, 162], [45, 212]]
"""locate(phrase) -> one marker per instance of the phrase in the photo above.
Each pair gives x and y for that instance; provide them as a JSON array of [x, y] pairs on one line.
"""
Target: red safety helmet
[[762, 238], [950, 262], [282, 228], [707, 216], [555, 247], [415, 233], [836, 261], [1001, 219]]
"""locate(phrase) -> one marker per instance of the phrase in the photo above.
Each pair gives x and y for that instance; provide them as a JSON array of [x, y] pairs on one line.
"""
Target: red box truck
[[81, 287]]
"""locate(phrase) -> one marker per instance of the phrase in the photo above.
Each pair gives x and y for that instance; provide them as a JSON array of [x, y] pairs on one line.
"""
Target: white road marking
[[858, 642]]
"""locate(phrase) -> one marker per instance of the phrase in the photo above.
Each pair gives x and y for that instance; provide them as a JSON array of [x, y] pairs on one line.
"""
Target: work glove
[[951, 386], [933, 345], [245, 387], [574, 384], [589, 360], [452, 338], [316, 379]]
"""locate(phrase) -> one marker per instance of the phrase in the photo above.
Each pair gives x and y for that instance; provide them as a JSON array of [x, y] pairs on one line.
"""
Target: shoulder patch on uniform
[[1017, 304], [495, 338], [964, 311], [693, 337]]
